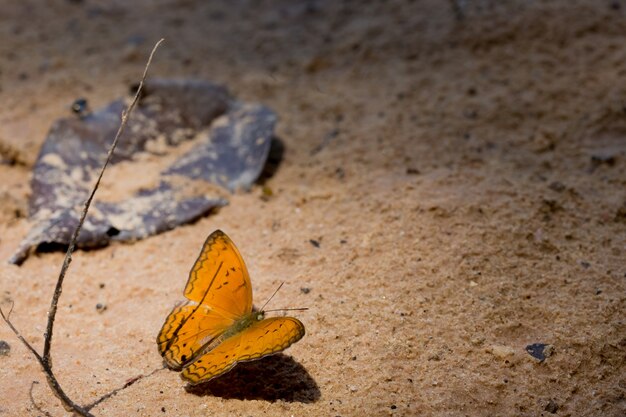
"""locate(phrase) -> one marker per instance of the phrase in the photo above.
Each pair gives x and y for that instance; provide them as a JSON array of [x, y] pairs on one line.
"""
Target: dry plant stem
[[68, 255], [45, 360], [52, 381], [126, 385], [32, 400]]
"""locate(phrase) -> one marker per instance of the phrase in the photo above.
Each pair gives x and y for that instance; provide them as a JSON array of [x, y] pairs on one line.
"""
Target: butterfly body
[[243, 323], [217, 328]]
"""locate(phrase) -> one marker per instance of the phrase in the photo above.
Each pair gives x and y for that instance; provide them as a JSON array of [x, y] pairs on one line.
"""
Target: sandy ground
[[465, 180]]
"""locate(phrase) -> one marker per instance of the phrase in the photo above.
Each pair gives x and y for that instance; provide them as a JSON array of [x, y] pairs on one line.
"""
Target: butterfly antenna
[[270, 299], [288, 309]]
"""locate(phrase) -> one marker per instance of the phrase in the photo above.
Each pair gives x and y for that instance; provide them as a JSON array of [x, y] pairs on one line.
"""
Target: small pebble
[[314, 243], [552, 407], [305, 290], [557, 186], [100, 307], [80, 106], [607, 159], [5, 348], [540, 351]]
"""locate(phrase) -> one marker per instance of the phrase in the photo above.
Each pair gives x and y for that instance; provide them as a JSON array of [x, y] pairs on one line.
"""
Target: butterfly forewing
[[263, 338], [219, 277]]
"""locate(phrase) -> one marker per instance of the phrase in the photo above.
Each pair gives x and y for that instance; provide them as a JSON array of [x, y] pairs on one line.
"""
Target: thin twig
[[45, 360], [68, 255], [88, 407], [52, 381], [32, 400], [7, 320]]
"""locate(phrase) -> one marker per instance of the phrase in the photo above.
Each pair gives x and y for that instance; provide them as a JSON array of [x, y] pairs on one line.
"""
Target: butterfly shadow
[[273, 378]]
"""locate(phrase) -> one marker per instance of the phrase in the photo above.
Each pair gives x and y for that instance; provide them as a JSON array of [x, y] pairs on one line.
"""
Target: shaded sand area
[[451, 191]]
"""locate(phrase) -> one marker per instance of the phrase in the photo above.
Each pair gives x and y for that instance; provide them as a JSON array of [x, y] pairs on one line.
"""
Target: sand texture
[[452, 189]]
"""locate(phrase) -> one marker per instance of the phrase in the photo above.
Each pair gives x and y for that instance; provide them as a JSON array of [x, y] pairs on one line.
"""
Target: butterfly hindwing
[[262, 338], [219, 277], [186, 331]]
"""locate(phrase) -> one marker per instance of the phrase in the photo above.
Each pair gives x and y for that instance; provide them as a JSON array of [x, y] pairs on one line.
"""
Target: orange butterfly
[[208, 335]]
